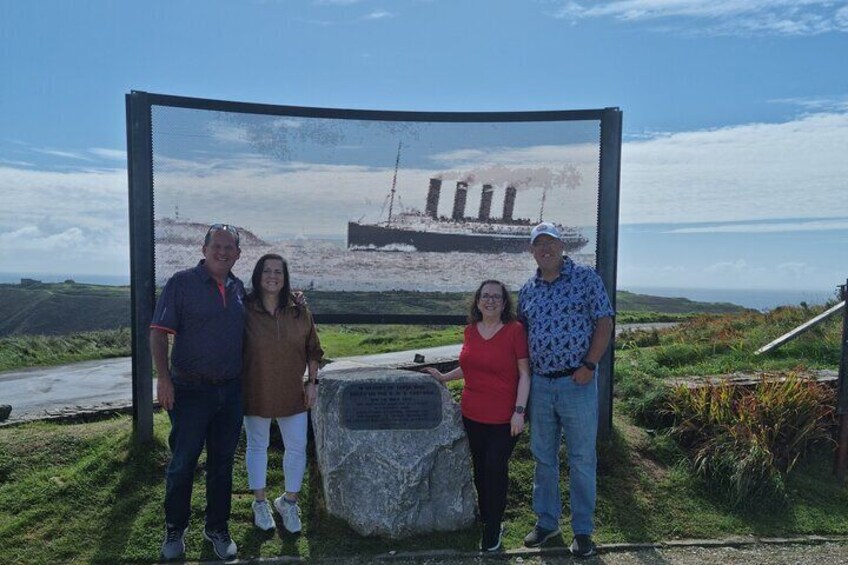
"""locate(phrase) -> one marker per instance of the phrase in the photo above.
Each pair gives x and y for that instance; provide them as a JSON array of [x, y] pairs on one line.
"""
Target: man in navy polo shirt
[[200, 388], [569, 321]]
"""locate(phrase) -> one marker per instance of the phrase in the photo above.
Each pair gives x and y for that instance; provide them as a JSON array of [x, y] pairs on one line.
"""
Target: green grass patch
[[346, 341], [18, 352]]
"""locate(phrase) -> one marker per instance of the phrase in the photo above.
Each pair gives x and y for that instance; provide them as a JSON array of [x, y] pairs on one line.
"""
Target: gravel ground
[[712, 553]]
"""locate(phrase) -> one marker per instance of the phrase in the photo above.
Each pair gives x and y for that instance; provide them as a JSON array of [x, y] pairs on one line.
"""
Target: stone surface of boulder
[[393, 482]]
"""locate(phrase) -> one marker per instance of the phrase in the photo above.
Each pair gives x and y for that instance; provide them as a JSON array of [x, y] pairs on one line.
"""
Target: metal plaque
[[391, 406]]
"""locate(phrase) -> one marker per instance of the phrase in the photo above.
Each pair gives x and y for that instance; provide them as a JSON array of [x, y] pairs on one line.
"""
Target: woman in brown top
[[280, 343]]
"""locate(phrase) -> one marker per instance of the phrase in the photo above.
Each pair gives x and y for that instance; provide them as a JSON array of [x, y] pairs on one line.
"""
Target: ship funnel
[[459, 201], [432, 208], [509, 203], [486, 203]]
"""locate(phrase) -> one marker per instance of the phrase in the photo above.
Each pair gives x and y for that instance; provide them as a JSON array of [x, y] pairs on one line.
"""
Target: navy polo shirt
[[207, 320], [560, 316]]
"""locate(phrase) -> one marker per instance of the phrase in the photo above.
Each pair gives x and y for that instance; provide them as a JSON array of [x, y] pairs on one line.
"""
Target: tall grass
[[746, 440]]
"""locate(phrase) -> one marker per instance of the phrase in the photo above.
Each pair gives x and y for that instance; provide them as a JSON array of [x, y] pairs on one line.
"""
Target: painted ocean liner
[[427, 231]]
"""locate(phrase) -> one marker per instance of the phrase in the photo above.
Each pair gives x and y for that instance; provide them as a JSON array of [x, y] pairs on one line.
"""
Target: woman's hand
[[516, 424], [435, 373], [310, 394]]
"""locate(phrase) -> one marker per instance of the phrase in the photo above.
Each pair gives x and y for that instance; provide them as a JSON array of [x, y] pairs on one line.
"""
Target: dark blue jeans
[[202, 414]]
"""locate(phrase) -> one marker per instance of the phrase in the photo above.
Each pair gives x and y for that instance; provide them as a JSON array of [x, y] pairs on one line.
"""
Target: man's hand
[[310, 394], [516, 424], [299, 298], [165, 392], [583, 376]]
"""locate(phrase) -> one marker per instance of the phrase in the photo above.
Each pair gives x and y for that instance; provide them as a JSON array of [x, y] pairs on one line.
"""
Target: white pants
[[293, 431]]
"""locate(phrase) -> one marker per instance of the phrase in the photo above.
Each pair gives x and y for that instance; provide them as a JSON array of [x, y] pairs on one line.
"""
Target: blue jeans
[[561, 407], [202, 414]]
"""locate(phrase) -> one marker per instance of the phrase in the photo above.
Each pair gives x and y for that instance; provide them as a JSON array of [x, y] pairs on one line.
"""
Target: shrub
[[746, 440]]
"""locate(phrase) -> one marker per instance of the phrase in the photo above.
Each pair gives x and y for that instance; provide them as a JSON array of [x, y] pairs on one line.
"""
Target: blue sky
[[735, 112]]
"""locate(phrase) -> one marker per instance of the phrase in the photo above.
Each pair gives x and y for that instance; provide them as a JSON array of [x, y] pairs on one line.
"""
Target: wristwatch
[[519, 409], [589, 365]]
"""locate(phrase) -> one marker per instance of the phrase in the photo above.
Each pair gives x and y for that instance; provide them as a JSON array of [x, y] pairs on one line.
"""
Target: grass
[[84, 492], [717, 344]]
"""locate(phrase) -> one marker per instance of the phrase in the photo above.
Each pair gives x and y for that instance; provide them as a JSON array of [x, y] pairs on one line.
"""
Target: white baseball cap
[[545, 228]]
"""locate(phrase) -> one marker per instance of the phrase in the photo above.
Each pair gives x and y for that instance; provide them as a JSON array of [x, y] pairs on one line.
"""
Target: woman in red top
[[494, 363]]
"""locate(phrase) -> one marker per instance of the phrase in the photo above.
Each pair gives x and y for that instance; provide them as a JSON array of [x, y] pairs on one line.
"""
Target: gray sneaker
[[262, 515], [224, 546], [173, 546], [290, 513], [539, 536]]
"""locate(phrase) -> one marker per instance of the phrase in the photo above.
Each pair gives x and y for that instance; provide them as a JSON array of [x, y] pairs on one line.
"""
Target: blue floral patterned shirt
[[560, 316]]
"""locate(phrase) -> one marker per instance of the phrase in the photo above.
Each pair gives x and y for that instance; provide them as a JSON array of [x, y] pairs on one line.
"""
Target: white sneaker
[[290, 513], [262, 515]]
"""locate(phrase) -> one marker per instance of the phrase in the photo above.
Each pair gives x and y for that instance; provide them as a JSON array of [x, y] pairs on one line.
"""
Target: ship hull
[[371, 237]]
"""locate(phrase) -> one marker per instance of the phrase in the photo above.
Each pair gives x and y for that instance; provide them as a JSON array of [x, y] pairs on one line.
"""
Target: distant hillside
[[59, 309], [56, 309], [630, 302]]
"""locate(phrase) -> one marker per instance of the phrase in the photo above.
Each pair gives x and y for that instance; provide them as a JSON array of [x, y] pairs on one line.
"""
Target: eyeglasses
[[494, 297], [224, 227]]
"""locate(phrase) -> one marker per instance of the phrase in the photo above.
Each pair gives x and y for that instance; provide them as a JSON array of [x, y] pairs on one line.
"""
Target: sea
[[758, 299]]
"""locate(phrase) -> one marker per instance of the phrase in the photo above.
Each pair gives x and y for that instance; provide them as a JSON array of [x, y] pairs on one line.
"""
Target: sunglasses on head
[[224, 227]]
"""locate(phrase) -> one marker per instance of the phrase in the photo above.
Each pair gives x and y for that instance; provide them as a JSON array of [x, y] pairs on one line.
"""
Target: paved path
[[91, 385]]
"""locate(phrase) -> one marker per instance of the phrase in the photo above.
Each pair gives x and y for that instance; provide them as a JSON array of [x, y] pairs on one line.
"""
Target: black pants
[[491, 446]]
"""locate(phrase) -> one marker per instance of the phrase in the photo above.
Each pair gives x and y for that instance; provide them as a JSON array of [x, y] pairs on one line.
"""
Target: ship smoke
[[520, 177]]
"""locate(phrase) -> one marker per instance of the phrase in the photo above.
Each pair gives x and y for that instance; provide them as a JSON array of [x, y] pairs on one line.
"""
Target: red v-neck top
[[490, 369]]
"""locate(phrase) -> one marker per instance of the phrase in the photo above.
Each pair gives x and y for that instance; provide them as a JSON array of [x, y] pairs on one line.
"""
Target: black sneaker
[[583, 546], [492, 537], [224, 546], [539, 536]]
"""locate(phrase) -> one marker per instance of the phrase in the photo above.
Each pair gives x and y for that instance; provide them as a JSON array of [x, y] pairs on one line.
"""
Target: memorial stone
[[392, 453]]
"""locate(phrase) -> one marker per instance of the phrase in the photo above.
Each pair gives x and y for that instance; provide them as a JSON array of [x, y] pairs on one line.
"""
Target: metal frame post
[[842, 401], [608, 202], [143, 289]]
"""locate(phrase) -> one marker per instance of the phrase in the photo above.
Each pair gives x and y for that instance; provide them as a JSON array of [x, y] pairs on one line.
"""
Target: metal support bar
[[140, 177], [607, 252]]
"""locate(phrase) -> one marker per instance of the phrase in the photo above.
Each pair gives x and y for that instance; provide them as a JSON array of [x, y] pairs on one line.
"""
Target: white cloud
[[72, 222], [737, 267], [795, 270], [60, 153], [795, 169], [768, 227], [379, 15], [115, 154], [725, 17]]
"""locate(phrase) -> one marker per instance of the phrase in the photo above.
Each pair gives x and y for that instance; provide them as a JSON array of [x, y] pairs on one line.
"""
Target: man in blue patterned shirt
[[569, 321]]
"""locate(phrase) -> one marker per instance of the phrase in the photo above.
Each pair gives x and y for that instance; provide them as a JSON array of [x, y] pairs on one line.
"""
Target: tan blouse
[[277, 349]]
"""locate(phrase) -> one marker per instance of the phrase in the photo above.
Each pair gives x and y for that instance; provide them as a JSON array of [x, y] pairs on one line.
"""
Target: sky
[[734, 172]]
